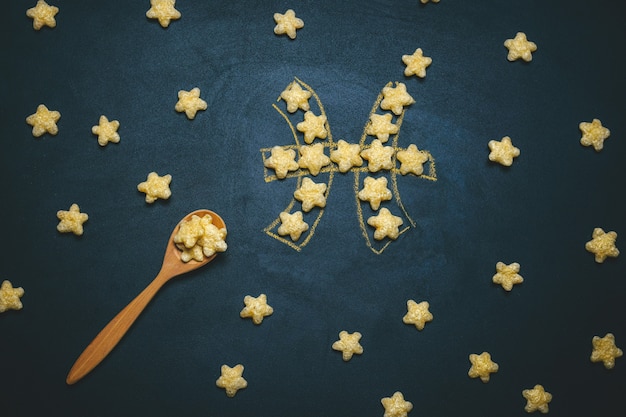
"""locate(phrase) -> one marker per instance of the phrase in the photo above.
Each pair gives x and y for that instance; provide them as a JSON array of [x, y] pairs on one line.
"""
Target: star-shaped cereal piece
[[520, 47], [44, 120], [10, 297], [190, 102], [594, 134], [296, 98], [507, 275], [72, 220], [348, 344], [378, 156], [375, 190], [311, 194], [106, 131], [312, 157], [417, 314], [282, 161], [292, 225], [156, 187], [43, 15], [482, 366], [313, 127], [416, 64], [386, 224], [380, 125], [256, 308], [346, 156], [395, 98], [287, 23], [396, 406], [605, 351], [163, 11], [412, 160], [503, 151], [231, 379], [536, 399], [602, 245]]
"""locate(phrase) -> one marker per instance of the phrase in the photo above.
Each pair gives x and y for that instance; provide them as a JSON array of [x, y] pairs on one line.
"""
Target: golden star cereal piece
[[190, 102], [311, 194], [156, 187], [594, 134], [396, 406], [602, 245], [346, 156], [231, 379], [416, 63], [10, 297], [503, 151], [395, 98], [482, 366], [348, 344], [44, 120], [507, 275], [295, 97], [520, 47], [313, 127], [380, 126], [163, 11], [72, 220], [605, 351], [106, 131], [43, 15], [375, 190], [282, 161], [292, 225], [536, 399], [417, 314], [256, 308], [412, 160], [212, 239], [378, 156], [386, 224], [312, 157], [287, 23]]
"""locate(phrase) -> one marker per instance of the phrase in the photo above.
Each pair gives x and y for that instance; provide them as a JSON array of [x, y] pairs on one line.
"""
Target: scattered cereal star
[[10, 297], [311, 194], [395, 98], [503, 152], [396, 406], [163, 11], [190, 102], [256, 308], [287, 23], [594, 134], [507, 275], [416, 64], [349, 344], [313, 158], [313, 127], [106, 131], [602, 245], [386, 224], [42, 15], [44, 120], [380, 125], [156, 187], [417, 314], [536, 399], [378, 156], [282, 161], [482, 366], [605, 351], [346, 155], [292, 225], [231, 379], [72, 220], [520, 47], [296, 98], [375, 190], [412, 160]]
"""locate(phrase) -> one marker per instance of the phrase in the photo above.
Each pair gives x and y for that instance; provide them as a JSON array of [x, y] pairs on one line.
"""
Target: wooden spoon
[[108, 337]]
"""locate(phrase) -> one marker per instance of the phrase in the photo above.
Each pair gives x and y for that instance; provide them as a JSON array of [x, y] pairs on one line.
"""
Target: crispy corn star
[[312, 157], [503, 152], [378, 156], [10, 297], [190, 102], [296, 98], [282, 161], [482, 366], [156, 187], [507, 275], [375, 191], [602, 245], [417, 314], [380, 125], [163, 11], [44, 120], [386, 224], [43, 15], [292, 225], [348, 344], [313, 127], [311, 194], [72, 220], [594, 134], [346, 156], [395, 98], [256, 308], [396, 406], [416, 63], [520, 47], [106, 131], [605, 351], [412, 160], [287, 24], [231, 379], [536, 399]]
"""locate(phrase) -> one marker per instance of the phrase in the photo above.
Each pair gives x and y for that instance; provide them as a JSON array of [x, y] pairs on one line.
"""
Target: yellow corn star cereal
[[416, 63], [198, 238], [507, 275], [520, 47], [163, 11], [503, 151], [396, 405], [256, 308], [292, 225], [312, 157], [296, 98], [396, 98], [348, 344], [417, 314], [346, 156], [231, 379], [605, 351], [72, 220], [386, 224], [287, 24], [282, 161], [594, 134], [602, 245], [536, 399], [156, 187], [106, 131], [190, 102], [380, 125], [10, 297], [311, 194], [482, 366], [44, 120], [313, 127], [378, 156], [43, 15], [375, 191], [412, 160]]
